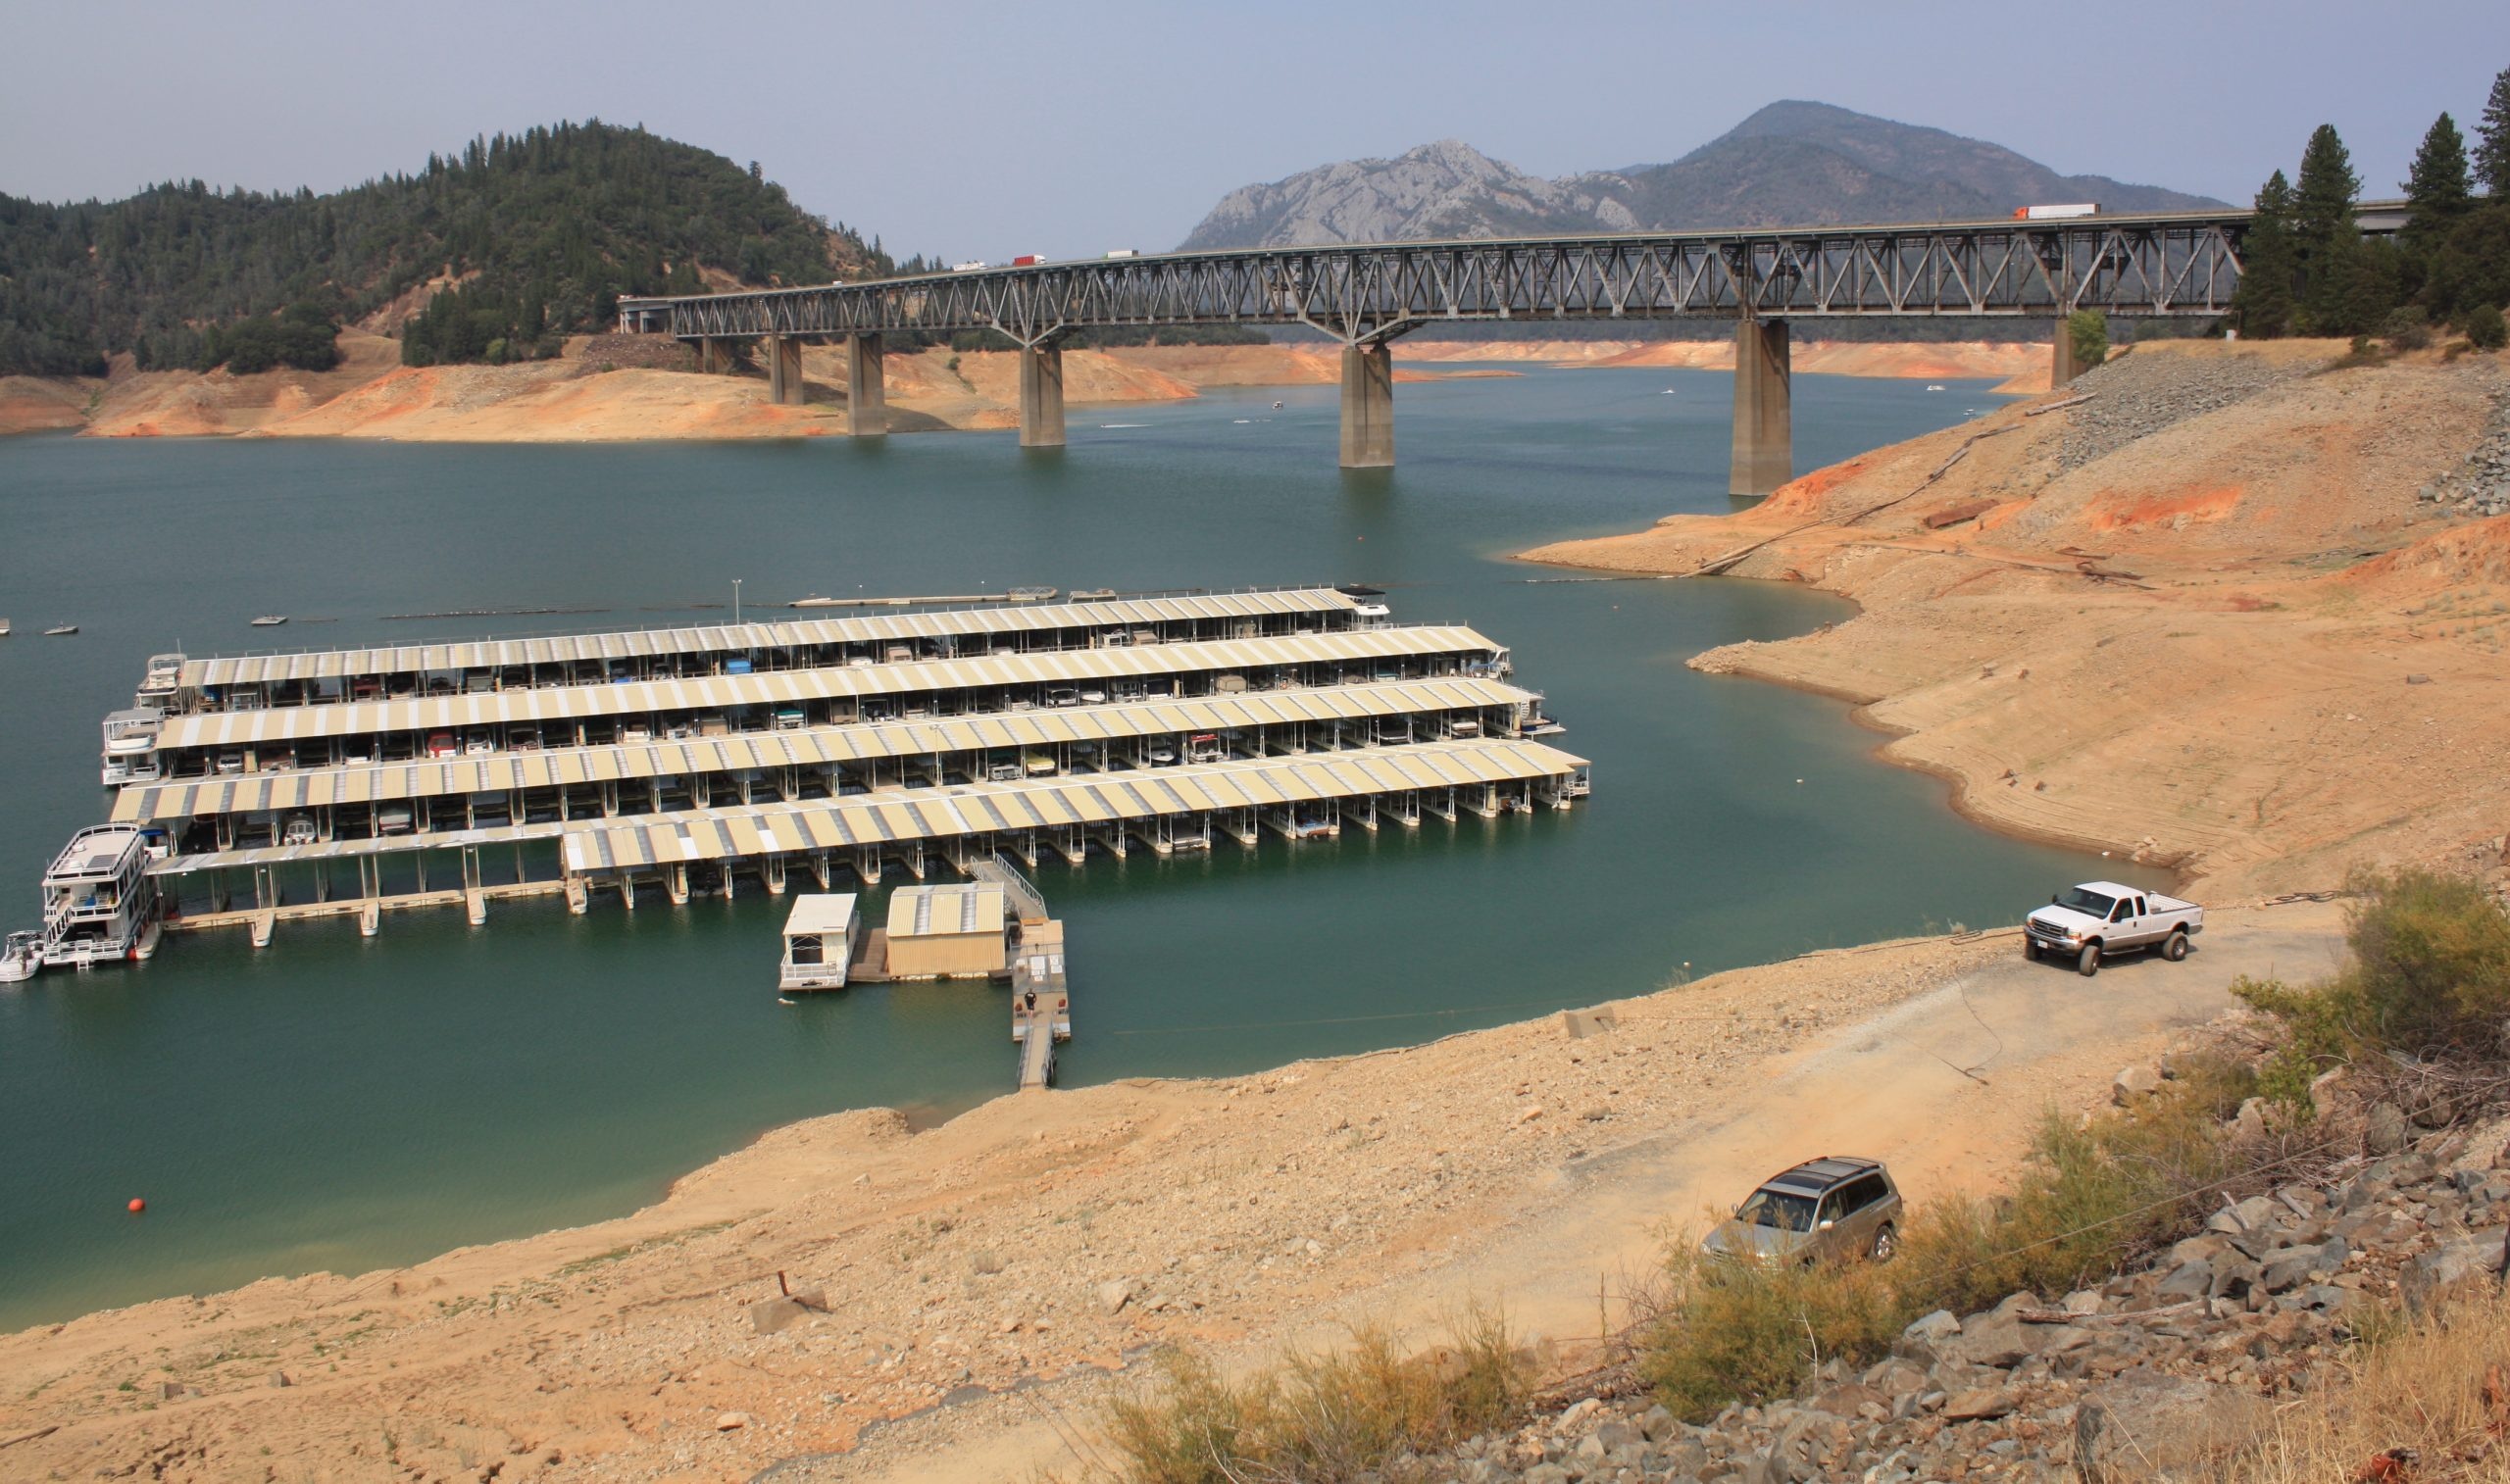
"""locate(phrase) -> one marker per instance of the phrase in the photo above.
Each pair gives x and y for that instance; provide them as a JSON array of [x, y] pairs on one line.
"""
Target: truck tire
[[2174, 947], [2087, 962], [2030, 948]]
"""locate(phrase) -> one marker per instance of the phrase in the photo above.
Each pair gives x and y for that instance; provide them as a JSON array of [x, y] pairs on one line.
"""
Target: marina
[[685, 762]]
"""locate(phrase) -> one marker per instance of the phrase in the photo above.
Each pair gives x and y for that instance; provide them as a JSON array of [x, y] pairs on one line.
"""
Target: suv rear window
[[1860, 1193]]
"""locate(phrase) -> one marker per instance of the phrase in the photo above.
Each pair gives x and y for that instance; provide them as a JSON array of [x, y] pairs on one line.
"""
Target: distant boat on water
[[4, 628], [1935, 388], [270, 621], [61, 629]]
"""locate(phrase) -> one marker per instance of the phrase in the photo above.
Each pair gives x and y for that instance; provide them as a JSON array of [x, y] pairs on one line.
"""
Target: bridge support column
[[713, 356], [867, 391], [1367, 404], [785, 370], [2062, 365], [1764, 420], [1042, 395]]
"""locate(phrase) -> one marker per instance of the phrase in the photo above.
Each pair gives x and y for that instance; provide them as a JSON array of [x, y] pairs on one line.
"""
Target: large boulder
[[2463, 1263], [2166, 1429]]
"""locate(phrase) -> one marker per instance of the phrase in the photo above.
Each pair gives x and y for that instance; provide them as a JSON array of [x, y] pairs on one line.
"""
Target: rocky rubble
[[2151, 1375], [2146, 394], [2481, 486]]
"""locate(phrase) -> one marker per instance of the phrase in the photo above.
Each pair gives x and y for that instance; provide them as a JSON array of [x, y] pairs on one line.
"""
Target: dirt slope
[[2159, 621], [1239, 1213]]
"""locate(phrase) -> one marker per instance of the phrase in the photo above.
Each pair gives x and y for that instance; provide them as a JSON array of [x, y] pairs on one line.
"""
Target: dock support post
[[2062, 365], [1041, 394], [1367, 404], [867, 391], [1763, 427], [785, 370]]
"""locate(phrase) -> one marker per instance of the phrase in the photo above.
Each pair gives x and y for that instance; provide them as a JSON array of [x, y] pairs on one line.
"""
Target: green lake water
[[346, 1104]]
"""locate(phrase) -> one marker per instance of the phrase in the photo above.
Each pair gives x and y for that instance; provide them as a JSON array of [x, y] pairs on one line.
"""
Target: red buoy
[[137, 1205]]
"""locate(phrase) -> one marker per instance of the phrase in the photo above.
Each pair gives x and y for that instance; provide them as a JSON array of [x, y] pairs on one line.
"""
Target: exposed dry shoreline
[[603, 391], [2185, 620]]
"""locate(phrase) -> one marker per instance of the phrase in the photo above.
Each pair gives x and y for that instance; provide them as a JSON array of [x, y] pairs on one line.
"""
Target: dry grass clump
[[1325, 1417], [2430, 1404]]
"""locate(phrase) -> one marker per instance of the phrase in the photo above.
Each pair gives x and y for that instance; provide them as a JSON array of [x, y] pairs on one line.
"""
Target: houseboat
[[99, 901], [131, 746]]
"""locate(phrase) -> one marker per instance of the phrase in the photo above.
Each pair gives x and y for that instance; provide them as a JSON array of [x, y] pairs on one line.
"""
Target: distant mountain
[[1791, 164]]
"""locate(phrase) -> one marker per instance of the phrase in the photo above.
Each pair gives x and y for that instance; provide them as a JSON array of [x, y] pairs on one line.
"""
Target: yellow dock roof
[[961, 907], [1036, 804], [1072, 666], [625, 644], [816, 746]]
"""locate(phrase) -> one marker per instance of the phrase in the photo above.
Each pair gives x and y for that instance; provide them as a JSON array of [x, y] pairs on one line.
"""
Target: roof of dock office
[[937, 812], [717, 638], [1059, 666], [820, 914], [814, 745]]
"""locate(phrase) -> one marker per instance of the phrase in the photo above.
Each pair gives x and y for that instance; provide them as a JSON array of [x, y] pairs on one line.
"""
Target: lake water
[[344, 1103]]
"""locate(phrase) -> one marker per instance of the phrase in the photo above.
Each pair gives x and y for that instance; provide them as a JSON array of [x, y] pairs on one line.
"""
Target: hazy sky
[[983, 130]]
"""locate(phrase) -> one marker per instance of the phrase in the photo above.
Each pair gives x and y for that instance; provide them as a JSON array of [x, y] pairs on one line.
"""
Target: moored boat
[[61, 629], [100, 904], [270, 621], [20, 957]]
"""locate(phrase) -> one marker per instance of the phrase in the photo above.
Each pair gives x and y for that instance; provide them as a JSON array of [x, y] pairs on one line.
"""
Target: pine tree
[[2493, 141], [2436, 188], [2269, 265], [2322, 231]]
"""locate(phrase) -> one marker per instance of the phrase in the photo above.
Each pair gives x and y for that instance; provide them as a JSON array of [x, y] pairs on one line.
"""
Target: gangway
[[1040, 1002], [1022, 895]]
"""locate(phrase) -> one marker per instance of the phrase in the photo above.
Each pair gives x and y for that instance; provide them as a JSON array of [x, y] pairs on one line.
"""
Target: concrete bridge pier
[[713, 356], [1368, 403], [2062, 365], [785, 370], [1041, 393], [867, 389], [1763, 417]]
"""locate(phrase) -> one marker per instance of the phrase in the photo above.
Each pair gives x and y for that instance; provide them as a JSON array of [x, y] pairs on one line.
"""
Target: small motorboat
[[61, 629], [1935, 387], [4, 628], [20, 957], [1276, 406], [270, 621]]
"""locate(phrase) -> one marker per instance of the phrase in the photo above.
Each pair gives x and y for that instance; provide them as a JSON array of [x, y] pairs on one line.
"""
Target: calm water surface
[[340, 1102]]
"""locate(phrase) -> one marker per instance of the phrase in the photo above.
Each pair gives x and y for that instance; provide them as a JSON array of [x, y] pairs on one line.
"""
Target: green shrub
[[2430, 975], [2484, 327], [1326, 1418], [1740, 1331], [2089, 329]]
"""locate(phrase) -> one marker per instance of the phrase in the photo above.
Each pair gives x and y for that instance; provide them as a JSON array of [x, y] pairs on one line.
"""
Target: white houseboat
[[99, 901], [131, 746]]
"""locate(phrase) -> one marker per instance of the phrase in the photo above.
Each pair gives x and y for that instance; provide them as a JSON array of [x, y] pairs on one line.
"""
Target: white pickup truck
[[2088, 922]]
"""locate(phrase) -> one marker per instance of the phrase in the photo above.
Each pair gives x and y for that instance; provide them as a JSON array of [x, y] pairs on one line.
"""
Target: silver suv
[[1823, 1209]]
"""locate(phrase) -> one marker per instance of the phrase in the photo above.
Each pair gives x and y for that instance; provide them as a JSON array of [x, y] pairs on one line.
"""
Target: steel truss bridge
[[2173, 265], [1364, 295]]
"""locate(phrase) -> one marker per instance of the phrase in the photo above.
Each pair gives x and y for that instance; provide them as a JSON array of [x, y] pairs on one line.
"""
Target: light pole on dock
[[737, 601]]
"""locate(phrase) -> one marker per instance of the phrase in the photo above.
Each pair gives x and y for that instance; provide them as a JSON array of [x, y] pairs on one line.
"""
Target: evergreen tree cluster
[[2307, 271], [543, 231]]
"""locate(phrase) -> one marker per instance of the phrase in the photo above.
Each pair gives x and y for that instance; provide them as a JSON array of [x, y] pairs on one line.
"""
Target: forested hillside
[[541, 231]]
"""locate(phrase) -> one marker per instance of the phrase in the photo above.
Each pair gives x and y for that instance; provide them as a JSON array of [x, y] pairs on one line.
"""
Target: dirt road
[[1946, 1085]]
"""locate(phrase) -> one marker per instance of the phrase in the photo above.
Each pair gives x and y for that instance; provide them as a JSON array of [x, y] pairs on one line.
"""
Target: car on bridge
[[2088, 922]]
